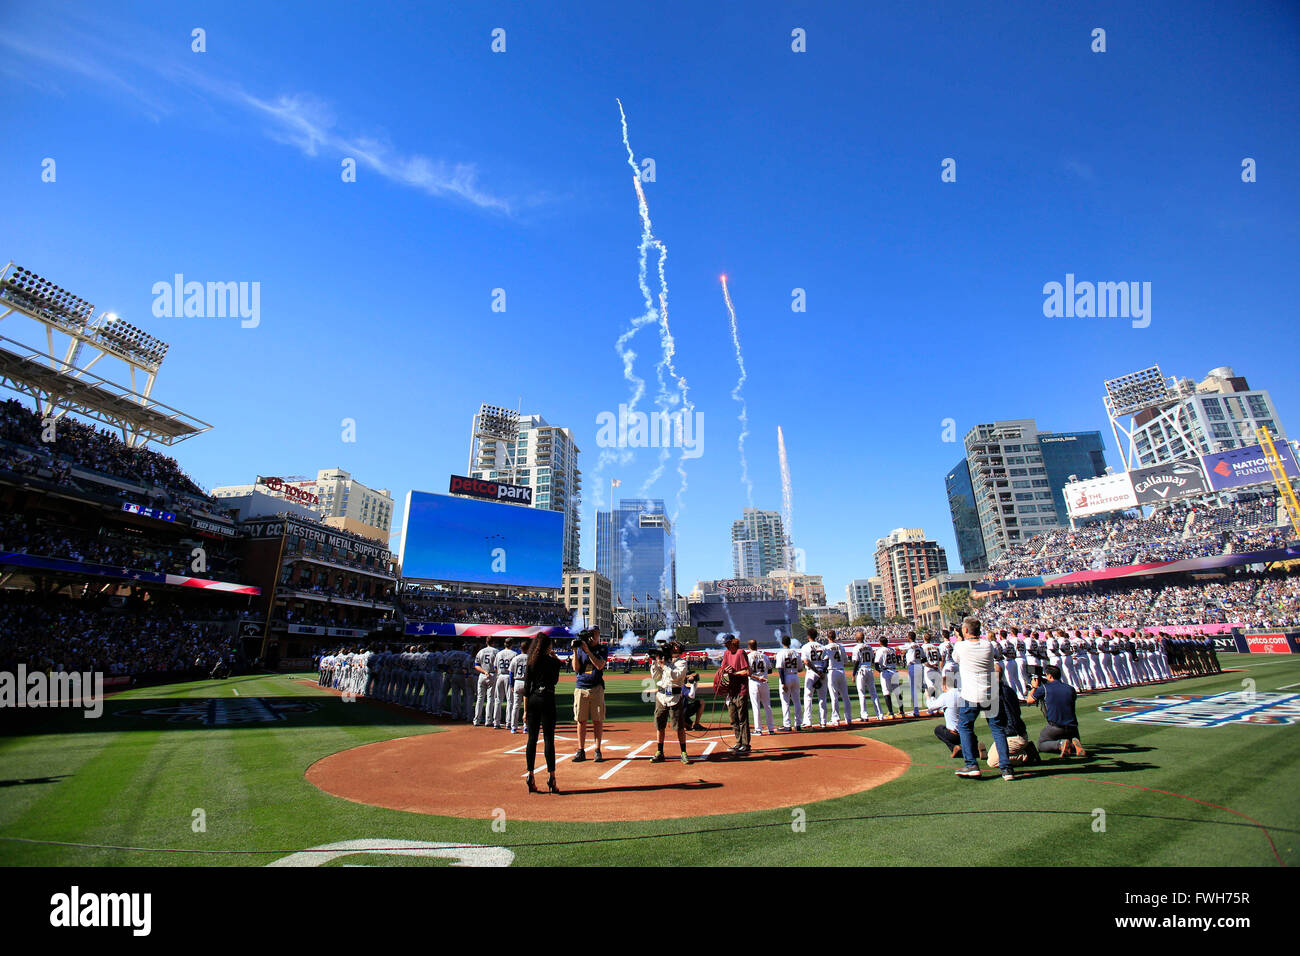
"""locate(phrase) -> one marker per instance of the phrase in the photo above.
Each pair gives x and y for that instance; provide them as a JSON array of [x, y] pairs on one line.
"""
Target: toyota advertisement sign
[[1168, 482], [1245, 466]]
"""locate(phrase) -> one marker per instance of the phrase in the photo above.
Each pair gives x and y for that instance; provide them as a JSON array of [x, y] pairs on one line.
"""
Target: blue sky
[[816, 170]]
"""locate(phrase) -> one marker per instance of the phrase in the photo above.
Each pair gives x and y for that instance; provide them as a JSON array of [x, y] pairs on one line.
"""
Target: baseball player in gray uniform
[[499, 700], [483, 661], [518, 671]]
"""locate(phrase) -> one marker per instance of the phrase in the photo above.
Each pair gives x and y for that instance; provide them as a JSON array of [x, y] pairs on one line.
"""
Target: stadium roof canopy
[[57, 384]]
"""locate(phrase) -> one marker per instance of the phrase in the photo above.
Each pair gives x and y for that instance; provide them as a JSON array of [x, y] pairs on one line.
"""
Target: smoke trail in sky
[[738, 393], [787, 499], [667, 401]]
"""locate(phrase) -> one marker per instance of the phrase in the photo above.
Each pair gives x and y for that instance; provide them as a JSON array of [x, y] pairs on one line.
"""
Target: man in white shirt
[[787, 669], [760, 691], [980, 679]]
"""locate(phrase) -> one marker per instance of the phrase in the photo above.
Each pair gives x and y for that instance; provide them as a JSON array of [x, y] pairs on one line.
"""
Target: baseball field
[[270, 769]]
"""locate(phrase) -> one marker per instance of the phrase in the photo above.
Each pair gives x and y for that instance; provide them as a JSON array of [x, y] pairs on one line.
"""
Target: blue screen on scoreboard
[[445, 538]]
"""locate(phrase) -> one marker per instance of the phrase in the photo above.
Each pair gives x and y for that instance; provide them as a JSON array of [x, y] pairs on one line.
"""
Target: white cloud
[[300, 120]]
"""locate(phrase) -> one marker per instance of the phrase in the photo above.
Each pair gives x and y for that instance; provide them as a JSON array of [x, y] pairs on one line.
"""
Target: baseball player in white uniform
[[912, 658], [814, 678], [864, 675], [886, 665], [841, 702], [931, 664], [760, 691], [788, 662], [483, 661]]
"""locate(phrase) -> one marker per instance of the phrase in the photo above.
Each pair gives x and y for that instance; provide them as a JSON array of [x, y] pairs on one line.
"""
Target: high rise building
[[758, 544], [1172, 418], [1016, 474], [966, 518], [635, 550], [589, 593], [539, 455], [334, 497], [866, 598], [905, 559]]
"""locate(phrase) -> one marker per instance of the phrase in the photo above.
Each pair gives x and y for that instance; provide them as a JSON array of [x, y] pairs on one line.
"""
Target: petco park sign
[[491, 490]]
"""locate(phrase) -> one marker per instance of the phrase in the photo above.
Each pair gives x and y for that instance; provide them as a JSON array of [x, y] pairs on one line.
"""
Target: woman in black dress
[[539, 705]]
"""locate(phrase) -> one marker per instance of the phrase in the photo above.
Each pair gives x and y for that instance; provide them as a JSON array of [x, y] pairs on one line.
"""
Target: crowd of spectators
[[1250, 600], [93, 448], [433, 604], [64, 634], [57, 540], [1173, 534]]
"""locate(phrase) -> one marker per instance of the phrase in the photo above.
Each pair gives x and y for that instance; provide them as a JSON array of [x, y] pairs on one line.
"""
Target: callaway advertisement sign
[[1245, 466], [1098, 495], [491, 490], [1173, 479]]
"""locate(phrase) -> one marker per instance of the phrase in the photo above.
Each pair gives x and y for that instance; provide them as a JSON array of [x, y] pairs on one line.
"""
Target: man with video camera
[[589, 694], [668, 670]]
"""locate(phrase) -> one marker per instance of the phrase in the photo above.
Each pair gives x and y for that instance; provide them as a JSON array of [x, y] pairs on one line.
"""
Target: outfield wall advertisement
[[1245, 466], [446, 538], [1099, 495], [1260, 641], [1168, 482]]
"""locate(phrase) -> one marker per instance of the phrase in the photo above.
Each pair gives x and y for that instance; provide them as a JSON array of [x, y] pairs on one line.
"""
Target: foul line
[[782, 824]]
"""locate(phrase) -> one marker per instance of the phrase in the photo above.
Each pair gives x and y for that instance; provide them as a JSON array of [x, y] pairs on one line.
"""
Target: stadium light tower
[[63, 383], [1146, 390], [495, 424]]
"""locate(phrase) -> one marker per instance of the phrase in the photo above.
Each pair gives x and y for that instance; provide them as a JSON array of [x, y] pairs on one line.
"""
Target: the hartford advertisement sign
[[1099, 495], [1166, 482], [1245, 466]]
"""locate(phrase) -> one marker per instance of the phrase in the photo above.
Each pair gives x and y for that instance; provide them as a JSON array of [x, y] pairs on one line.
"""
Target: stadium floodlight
[[1137, 390], [497, 422], [123, 337], [40, 298]]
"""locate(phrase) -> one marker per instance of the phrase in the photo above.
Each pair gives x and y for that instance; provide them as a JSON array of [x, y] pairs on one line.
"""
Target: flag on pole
[[614, 482]]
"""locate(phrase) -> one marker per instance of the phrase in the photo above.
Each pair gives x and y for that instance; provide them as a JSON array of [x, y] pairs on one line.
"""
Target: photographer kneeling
[[669, 673]]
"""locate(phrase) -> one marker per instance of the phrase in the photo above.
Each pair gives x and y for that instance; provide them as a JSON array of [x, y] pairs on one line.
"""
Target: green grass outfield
[[128, 781]]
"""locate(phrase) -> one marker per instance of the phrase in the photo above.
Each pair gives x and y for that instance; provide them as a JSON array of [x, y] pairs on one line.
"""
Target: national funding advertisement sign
[[1245, 466], [1168, 482], [1099, 495]]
